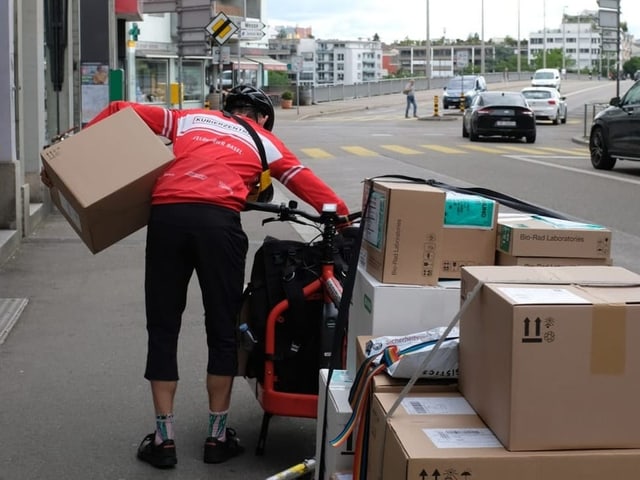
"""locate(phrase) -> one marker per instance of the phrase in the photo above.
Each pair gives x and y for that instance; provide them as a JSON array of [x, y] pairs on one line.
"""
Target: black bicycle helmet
[[248, 96]]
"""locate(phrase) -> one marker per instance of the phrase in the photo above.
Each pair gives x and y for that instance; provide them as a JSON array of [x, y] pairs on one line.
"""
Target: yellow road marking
[[316, 153], [573, 151], [360, 151], [478, 148], [401, 149], [529, 150], [443, 149]]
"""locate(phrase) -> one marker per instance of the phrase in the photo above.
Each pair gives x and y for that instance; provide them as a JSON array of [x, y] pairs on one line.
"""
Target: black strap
[[255, 136]]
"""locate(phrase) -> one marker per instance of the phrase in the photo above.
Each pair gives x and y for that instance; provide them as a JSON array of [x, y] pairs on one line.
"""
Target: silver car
[[547, 103]]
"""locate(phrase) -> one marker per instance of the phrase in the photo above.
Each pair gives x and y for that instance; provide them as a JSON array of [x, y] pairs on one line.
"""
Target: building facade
[[585, 47]]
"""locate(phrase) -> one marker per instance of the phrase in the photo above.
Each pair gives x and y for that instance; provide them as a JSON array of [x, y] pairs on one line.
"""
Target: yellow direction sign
[[221, 28]]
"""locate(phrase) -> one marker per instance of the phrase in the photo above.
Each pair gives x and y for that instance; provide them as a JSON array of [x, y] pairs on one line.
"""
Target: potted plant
[[286, 99]]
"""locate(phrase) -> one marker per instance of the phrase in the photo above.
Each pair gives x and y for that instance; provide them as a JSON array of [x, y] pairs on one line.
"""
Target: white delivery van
[[546, 77]]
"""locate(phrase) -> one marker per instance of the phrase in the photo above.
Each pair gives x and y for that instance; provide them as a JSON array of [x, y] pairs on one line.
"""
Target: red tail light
[[484, 111], [551, 102]]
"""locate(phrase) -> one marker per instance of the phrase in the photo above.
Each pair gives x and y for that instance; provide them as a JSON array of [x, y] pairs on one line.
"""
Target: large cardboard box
[[510, 260], [390, 309], [524, 235], [103, 177], [403, 230], [336, 459], [468, 234], [432, 408], [462, 447], [548, 356]]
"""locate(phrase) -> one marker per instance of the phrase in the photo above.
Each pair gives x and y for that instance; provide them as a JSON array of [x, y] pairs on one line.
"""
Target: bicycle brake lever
[[268, 220]]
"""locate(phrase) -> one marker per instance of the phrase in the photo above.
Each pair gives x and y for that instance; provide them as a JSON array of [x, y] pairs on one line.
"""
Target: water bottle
[[246, 337]]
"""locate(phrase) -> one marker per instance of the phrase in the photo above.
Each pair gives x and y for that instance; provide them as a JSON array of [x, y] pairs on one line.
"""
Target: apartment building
[[584, 45]]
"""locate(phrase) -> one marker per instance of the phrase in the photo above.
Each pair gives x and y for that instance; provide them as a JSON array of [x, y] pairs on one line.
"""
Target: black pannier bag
[[281, 268]]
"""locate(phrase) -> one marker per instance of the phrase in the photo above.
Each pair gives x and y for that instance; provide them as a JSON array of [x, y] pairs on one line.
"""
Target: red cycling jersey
[[217, 160]]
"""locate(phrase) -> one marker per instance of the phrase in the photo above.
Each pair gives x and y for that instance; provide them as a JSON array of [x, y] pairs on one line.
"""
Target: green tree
[[554, 59], [631, 66]]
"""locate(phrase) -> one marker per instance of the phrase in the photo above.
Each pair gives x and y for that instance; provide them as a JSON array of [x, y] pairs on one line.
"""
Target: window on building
[[151, 79], [193, 80]]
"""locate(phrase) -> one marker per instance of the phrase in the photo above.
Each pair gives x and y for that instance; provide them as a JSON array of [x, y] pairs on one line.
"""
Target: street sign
[[613, 4], [251, 30], [608, 19], [221, 28], [252, 25], [224, 51], [251, 34]]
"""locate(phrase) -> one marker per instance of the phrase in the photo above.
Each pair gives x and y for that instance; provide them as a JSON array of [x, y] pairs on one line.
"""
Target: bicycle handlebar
[[289, 212]]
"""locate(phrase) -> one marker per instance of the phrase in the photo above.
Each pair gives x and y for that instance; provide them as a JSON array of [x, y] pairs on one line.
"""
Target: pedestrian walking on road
[[195, 225], [411, 99]]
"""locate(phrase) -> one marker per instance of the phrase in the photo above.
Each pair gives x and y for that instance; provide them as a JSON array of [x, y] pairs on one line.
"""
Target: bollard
[[435, 106], [462, 102]]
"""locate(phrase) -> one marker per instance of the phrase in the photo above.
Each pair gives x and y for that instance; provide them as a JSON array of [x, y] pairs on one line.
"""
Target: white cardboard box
[[338, 412], [394, 309]]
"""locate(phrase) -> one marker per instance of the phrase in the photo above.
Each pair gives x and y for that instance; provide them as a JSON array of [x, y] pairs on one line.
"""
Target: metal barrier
[[590, 111]]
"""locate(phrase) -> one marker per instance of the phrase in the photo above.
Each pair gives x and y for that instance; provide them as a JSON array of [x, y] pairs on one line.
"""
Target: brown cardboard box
[[523, 235], [461, 447], [103, 177], [468, 236], [547, 355], [414, 408], [403, 228], [385, 383], [509, 260]]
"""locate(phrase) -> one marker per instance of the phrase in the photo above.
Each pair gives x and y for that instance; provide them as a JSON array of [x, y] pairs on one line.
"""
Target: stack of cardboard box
[[547, 363], [548, 368]]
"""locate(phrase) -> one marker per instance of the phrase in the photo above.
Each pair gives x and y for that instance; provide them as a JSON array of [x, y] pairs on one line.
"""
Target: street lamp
[[482, 39], [564, 40], [519, 53], [427, 67], [544, 34]]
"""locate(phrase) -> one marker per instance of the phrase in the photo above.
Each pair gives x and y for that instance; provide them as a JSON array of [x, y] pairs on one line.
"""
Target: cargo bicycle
[[296, 335]]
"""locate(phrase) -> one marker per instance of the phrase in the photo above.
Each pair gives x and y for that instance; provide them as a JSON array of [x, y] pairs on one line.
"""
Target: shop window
[[193, 81], [152, 80]]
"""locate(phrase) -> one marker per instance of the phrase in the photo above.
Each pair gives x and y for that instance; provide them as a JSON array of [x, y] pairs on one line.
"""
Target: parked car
[[546, 103], [469, 85], [546, 77], [502, 114], [615, 131]]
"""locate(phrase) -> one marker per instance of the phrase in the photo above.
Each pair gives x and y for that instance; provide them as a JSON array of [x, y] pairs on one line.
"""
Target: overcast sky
[[352, 19]]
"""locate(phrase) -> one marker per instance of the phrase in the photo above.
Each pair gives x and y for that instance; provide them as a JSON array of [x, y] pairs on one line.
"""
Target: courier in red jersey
[[195, 225]]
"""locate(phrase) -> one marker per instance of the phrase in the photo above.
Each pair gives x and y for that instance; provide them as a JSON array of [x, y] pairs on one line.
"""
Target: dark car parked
[[502, 114], [615, 131], [469, 85]]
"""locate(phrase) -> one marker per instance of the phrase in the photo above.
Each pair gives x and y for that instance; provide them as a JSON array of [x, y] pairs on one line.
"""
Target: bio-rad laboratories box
[[403, 231], [103, 177], [548, 355], [523, 235]]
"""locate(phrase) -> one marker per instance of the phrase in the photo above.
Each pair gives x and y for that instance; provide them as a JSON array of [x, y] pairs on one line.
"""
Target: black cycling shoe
[[160, 456], [216, 451]]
